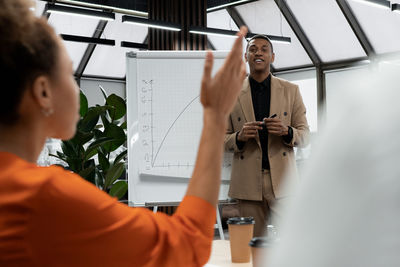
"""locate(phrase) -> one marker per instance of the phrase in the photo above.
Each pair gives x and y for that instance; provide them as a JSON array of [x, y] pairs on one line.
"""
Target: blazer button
[[239, 119], [284, 153], [295, 143], [285, 113], [241, 157]]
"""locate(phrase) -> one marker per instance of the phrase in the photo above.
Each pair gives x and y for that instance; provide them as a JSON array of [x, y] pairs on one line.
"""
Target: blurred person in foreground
[[267, 122], [52, 217], [347, 210]]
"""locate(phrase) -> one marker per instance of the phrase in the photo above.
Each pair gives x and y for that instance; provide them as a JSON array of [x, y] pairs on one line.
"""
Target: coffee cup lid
[[262, 242], [241, 220]]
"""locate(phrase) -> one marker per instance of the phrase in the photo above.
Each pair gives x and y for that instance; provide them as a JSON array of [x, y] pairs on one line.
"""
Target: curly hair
[[28, 49]]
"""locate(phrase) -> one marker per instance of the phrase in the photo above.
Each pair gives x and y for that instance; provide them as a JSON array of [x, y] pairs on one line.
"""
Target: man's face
[[259, 55]]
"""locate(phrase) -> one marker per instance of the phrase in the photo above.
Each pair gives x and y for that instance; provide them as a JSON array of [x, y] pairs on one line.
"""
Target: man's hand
[[249, 131], [219, 94], [276, 127]]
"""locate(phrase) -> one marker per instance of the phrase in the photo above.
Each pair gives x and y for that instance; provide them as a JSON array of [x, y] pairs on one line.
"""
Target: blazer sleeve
[[301, 130], [230, 144], [77, 224]]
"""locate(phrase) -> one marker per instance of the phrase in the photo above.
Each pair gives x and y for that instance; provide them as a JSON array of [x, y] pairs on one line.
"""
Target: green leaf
[[103, 92], [100, 141], [81, 137], [84, 104], [121, 156], [91, 118], [90, 154], [119, 189], [105, 120], [85, 173], [124, 125], [61, 155], [119, 104], [98, 134], [60, 158], [89, 171], [103, 161], [118, 135], [92, 148], [74, 164], [99, 178], [114, 173], [69, 149]]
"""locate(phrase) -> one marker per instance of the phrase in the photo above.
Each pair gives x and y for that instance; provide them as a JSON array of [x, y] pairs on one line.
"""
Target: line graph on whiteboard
[[170, 124]]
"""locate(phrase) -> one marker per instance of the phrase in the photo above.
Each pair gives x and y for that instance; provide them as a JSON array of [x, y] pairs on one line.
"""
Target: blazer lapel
[[276, 102], [276, 97], [246, 102]]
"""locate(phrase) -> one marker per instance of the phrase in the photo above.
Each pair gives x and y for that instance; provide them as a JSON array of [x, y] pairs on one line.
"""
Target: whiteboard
[[165, 120]]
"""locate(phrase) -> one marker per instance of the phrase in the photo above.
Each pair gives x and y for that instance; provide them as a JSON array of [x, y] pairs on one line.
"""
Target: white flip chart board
[[164, 123]]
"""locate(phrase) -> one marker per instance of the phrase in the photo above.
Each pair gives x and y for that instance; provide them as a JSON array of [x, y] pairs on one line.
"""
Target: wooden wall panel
[[184, 12]]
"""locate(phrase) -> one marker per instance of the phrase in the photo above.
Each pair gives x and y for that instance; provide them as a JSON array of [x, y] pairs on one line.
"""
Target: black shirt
[[261, 96]]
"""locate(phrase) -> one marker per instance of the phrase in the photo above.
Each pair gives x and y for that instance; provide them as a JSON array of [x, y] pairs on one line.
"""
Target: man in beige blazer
[[268, 120]]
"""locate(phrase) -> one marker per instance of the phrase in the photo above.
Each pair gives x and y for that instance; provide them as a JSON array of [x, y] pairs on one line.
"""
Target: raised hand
[[219, 93]]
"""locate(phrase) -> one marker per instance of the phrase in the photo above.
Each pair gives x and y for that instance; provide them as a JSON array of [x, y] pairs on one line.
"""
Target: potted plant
[[97, 152]]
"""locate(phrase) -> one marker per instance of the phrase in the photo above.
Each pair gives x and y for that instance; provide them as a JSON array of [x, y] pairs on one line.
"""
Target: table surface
[[221, 256]]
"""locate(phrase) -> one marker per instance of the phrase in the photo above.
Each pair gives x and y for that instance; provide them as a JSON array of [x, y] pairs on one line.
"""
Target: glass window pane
[[74, 25], [380, 25], [91, 88], [265, 17], [338, 87], [109, 61], [221, 20], [327, 29], [307, 82], [75, 51], [39, 7]]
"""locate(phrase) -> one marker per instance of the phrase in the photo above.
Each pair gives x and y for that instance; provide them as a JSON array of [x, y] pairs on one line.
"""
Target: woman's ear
[[42, 94]]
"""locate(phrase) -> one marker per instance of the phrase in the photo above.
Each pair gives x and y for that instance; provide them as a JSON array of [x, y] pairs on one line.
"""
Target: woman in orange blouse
[[51, 217]]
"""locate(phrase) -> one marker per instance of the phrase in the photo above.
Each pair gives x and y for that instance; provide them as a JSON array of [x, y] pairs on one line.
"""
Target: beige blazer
[[246, 177]]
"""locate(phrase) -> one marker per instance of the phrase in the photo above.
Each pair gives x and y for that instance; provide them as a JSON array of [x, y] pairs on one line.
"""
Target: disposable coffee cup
[[259, 247], [240, 234]]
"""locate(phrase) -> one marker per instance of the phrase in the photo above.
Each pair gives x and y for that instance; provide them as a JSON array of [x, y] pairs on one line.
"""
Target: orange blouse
[[52, 217]]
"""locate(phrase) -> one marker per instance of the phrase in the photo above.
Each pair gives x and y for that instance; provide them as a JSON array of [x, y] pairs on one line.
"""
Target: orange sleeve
[[74, 223]]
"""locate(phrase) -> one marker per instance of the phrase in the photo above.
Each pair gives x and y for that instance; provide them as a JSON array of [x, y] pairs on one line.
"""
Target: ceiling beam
[[146, 40], [90, 49], [298, 30], [236, 17], [105, 78], [348, 63], [221, 4], [294, 69], [321, 96], [356, 27], [45, 14], [137, 8], [210, 44]]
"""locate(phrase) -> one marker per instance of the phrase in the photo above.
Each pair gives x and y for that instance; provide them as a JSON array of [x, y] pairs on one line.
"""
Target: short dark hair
[[259, 36]]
